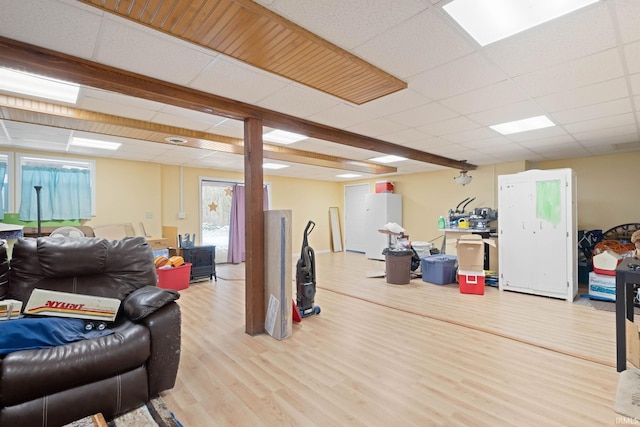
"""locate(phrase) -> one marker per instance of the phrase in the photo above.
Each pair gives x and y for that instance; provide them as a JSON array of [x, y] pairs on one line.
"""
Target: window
[[67, 187], [5, 172]]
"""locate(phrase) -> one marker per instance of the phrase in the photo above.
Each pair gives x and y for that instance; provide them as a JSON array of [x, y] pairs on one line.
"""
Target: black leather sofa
[[111, 374]]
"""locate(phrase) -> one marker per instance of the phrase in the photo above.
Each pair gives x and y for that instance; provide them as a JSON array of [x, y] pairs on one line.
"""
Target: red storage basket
[[174, 277]]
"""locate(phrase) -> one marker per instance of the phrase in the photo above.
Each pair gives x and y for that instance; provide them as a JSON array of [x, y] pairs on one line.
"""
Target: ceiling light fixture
[[532, 123], [348, 175], [176, 140], [463, 179], [94, 143], [274, 166], [38, 86], [388, 159], [283, 137], [492, 20]]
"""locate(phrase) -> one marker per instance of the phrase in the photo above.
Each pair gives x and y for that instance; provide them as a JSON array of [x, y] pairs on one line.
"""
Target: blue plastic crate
[[439, 269]]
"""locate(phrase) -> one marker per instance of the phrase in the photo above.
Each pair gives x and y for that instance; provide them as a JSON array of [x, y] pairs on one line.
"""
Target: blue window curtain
[[65, 193], [3, 190]]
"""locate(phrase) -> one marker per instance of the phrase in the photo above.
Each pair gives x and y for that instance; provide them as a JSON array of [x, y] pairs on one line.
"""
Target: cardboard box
[[63, 304], [602, 286], [157, 244], [471, 282], [176, 278], [470, 249], [633, 343], [10, 309]]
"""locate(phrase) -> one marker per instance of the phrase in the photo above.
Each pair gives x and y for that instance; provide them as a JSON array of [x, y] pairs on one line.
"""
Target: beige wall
[[607, 189], [307, 199], [426, 196], [137, 192]]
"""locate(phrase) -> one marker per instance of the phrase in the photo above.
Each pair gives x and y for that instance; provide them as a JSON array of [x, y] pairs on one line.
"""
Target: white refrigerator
[[380, 209]]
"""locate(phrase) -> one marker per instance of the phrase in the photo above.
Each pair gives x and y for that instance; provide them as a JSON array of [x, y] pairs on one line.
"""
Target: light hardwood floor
[[394, 355]]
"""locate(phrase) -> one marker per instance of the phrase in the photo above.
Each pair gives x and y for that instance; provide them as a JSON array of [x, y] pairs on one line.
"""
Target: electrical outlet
[[182, 215], [148, 215]]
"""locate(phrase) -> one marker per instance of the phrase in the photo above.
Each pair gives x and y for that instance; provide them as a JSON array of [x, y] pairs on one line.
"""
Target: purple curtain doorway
[[237, 251]]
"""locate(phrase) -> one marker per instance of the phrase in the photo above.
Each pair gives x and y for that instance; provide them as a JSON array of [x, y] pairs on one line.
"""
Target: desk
[[625, 281]]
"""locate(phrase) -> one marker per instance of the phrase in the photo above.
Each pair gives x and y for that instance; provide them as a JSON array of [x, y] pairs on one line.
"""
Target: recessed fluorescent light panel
[[532, 123], [41, 87], [273, 166], [348, 175], [283, 137], [94, 143], [488, 21], [388, 159]]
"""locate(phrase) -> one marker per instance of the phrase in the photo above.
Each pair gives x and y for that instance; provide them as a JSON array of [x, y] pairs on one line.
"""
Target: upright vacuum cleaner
[[306, 276]]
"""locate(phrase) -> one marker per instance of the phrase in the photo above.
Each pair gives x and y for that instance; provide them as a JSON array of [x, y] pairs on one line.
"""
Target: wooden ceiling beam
[[34, 59], [237, 28], [70, 118]]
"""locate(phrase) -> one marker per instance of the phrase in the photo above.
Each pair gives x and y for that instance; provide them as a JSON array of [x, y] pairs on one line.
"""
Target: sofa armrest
[[165, 329], [144, 301]]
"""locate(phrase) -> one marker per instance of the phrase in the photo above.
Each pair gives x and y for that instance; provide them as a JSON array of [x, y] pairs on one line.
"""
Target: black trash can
[[398, 265]]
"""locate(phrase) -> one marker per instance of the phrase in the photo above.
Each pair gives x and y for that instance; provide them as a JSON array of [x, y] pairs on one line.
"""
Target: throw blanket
[[39, 332]]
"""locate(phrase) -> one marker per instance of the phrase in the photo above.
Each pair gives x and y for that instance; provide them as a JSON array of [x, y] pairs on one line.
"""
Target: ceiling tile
[[406, 135], [449, 126], [632, 54], [227, 77], [508, 113], [420, 43], [396, 102], [138, 49], [635, 83], [587, 95], [548, 140], [71, 29], [552, 131], [486, 98], [375, 127], [628, 13], [571, 149], [117, 105], [469, 135], [603, 123], [602, 66], [591, 112], [298, 100], [424, 114], [341, 116], [496, 142], [461, 75], [605, 133], [349, 23], [572, 36]]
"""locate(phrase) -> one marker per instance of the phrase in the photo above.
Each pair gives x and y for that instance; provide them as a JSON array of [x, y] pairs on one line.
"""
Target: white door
[[551, 235], [516, 244], [354, 215]]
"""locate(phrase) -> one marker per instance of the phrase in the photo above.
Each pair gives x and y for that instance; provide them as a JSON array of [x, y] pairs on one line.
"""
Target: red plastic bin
[[175, 277]]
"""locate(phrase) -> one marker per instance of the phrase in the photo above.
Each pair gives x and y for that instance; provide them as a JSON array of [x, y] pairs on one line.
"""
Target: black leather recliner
[[111, 374]]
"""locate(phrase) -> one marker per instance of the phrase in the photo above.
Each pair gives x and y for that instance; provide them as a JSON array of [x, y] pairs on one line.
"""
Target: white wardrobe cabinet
[[380, 209], [537, 233]]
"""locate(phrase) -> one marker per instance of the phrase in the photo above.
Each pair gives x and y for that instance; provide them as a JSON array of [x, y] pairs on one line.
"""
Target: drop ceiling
[[581, 70]]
